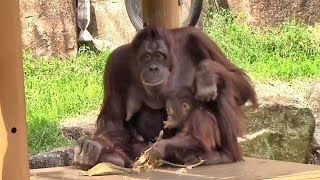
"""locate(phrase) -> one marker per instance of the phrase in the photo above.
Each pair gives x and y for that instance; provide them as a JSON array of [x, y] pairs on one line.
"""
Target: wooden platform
[[249, 169]]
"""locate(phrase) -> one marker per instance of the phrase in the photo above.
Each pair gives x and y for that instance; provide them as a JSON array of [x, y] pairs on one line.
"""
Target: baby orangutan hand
[[158, 149]]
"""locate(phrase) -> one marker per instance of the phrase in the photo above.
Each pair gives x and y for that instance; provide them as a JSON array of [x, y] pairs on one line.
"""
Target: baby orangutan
[[197, 130]]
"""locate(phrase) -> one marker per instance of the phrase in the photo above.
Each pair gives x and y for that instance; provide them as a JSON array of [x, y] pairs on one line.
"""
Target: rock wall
[[109, 21], [272, 12], [49, 27]]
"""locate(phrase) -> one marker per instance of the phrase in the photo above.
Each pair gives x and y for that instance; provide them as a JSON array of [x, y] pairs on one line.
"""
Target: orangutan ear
[[186, 106]]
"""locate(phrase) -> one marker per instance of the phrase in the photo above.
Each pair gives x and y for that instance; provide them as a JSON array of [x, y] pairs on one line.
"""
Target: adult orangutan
[[156, 61]]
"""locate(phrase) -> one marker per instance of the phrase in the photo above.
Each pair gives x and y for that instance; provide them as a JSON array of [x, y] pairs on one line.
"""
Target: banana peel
[[105, 168], [146, 162]]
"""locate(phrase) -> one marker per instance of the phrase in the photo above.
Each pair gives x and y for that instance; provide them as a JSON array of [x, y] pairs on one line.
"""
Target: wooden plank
[[164, 13], [13, 144], [300, 176], [249, 169]]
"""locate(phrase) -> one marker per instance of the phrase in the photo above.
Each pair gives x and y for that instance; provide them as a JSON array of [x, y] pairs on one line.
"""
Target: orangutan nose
[[153, 68]]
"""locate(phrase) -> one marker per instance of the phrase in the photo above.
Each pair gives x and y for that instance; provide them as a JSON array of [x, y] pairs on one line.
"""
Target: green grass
[[56, 89], [286, 52]]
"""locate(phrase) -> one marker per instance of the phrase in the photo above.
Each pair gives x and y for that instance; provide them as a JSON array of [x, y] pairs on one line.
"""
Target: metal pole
[[13, 134], [164, 13]]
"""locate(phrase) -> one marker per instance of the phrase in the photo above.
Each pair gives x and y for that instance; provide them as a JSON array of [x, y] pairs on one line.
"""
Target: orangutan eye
[[158, 56], [146, 57]]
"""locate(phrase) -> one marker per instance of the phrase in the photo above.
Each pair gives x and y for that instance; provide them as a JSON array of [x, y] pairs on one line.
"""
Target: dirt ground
[[295, 91]]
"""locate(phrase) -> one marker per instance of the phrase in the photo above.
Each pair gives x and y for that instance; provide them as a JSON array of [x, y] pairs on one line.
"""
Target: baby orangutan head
[[178, 104]]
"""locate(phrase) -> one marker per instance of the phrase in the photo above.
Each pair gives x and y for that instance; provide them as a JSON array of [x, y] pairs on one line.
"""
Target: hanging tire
[[135, 13]]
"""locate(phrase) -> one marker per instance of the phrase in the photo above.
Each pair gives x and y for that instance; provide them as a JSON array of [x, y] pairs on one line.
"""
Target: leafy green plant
[[289, 51]]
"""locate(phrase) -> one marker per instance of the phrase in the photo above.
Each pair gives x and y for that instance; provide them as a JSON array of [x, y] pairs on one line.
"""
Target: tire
[[133, 6], [194, 13], [133, 13]]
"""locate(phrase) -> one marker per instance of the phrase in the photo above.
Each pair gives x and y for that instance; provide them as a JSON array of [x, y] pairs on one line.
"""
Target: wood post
[[164, 13], [13, 135]]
